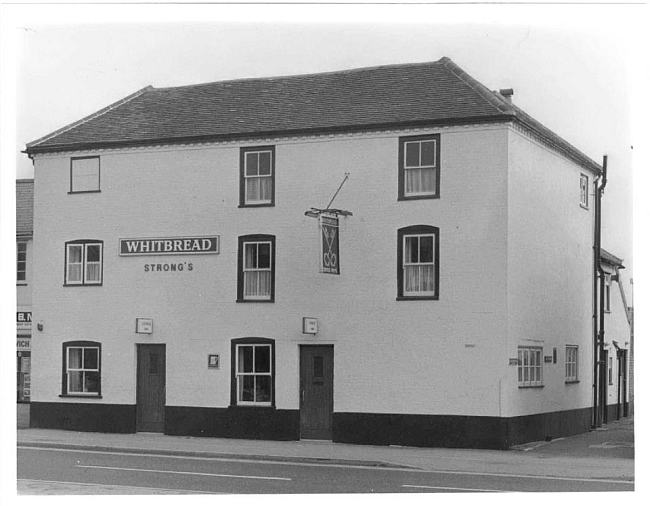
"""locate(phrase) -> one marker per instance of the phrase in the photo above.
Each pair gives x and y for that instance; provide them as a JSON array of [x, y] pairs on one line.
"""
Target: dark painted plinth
[[420, 430], [457, 431], [83, 417], [539, 427], [240, 423]]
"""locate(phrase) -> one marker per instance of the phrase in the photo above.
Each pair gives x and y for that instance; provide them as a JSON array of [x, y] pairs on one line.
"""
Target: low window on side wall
[[529, 366], [253, 372], [571, 364], [84, 174], [81, 368]]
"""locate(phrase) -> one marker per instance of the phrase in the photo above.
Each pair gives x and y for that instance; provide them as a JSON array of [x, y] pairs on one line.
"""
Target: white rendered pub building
[[197, 277]]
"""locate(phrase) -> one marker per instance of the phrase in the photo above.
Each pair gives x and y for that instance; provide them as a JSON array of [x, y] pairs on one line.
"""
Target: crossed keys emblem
[[330, 260]]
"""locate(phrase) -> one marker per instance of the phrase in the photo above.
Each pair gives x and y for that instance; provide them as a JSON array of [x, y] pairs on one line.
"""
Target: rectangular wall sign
[[143, 326], [170, 246], [213, 361], [309, 325], [24, 320], [23, 344], [329, 238]]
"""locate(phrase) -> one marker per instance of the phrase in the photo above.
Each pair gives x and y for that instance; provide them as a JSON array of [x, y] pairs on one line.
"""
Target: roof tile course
[[397, 95]]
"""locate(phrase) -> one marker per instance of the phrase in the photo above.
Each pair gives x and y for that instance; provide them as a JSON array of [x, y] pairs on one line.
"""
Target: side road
[[606, 453]]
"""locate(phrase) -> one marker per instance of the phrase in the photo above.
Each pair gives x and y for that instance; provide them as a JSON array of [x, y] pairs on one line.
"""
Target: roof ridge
[[483, 91], [90, 117], [309, 74]]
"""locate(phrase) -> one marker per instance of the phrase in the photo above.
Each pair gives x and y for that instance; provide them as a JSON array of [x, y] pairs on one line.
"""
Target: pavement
[[604, 453]]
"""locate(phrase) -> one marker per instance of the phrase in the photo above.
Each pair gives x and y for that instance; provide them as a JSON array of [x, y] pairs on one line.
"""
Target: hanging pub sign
[[170, 246], [329, 237]]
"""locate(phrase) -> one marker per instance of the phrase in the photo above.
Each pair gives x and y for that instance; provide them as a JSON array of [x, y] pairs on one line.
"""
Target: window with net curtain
[[418, 265], [83, 263], [419, 167], [256, 271], [82, 368], [257, 176]]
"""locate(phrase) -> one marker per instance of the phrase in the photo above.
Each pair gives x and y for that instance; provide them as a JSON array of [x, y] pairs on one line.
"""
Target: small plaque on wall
[[513, 361], [309, 325], [548, 359], [144, 326], [213, 361]]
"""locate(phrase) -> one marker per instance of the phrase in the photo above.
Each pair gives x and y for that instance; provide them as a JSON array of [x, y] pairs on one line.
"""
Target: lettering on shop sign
[[23, 344], [24, 319], [180, 267], [170, 246]]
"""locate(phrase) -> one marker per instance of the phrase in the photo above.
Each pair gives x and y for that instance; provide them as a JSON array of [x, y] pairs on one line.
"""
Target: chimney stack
[[507, 93]]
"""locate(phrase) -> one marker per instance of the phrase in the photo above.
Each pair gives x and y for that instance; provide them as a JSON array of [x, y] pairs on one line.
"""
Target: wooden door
[[151, 388], [316, 391]]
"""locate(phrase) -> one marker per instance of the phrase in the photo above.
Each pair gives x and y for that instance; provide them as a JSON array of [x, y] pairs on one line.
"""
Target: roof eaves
[[88, 146], [90, 117], [607, 257]]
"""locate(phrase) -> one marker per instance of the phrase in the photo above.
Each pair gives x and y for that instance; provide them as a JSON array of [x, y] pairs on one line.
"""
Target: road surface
[[69, 471]]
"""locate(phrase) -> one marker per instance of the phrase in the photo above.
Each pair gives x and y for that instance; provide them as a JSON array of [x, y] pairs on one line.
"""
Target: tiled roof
[[392, 96], [607, 257], [24, 207]]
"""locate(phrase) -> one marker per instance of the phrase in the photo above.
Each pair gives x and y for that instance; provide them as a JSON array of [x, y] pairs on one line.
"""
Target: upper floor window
[[419, 167], [256, 268], [257, 176], [584, 191], [608, 293], [253, 361], [417, 262], [81, 368], [83, 262], [529, 366], [571, 363], [21, 261], [84, 174]]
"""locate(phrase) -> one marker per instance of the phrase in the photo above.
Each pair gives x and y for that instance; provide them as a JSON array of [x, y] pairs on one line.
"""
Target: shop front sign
[[23, 344], [203, 245], [24, 320]]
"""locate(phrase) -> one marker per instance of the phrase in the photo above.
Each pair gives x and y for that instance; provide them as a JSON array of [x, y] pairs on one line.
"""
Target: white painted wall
[[427, 357], [550, 265]]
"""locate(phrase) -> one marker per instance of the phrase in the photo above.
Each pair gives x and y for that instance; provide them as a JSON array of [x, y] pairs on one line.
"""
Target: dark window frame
[[401, 191], [233, 370], [99, 174], [240, 266], [19, 280], [584, 203], [417, 230], [64, 365], [567, 377], [242, 180], [83, 243]]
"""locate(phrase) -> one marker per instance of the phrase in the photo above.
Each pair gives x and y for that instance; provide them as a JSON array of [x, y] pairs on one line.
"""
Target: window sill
[[571, 382], [410, 297], [21, 284], [84, 191], [90, 284], [584, 207], [236, 407], [530, 386], [253, 301], [271, 204], [79, 396], [417, 197]]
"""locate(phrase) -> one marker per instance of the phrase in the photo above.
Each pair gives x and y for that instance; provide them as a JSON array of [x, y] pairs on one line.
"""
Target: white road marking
[[27, 482], [185, 472], [456, 488], [316, 464]]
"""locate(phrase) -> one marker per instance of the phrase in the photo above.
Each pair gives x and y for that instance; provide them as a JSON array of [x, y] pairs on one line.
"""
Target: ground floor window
[[253, 361], [571, 364], [529, 367], [81, 368]]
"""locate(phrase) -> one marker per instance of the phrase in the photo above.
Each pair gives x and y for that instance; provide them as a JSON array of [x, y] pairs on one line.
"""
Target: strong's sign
[[170, 246]]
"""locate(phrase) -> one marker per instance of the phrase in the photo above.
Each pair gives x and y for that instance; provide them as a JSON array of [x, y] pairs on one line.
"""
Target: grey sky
[[571, 67]]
